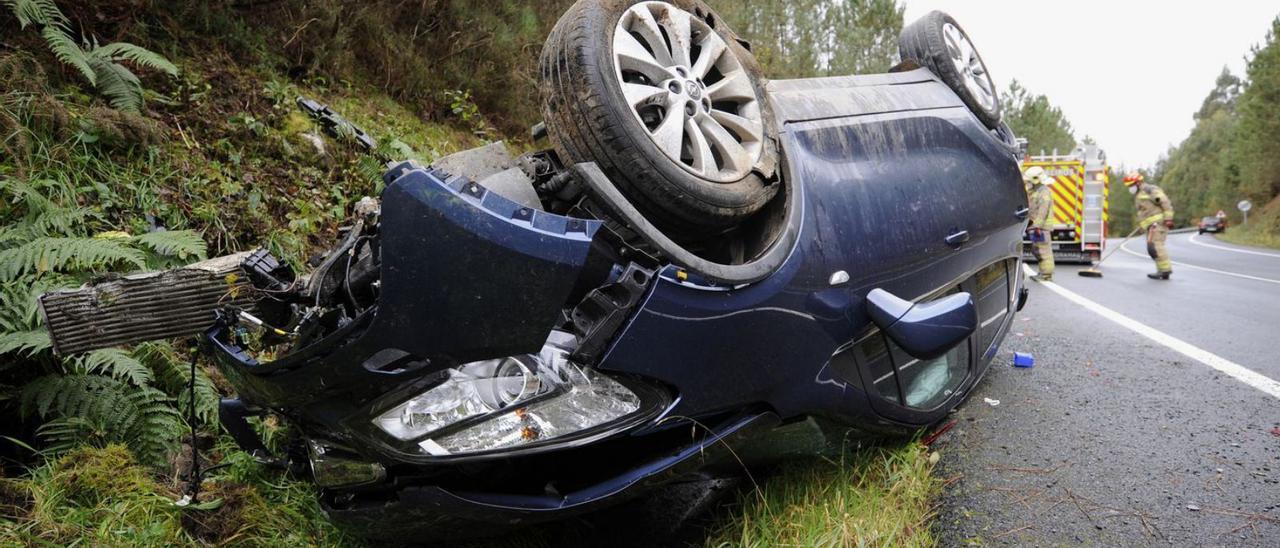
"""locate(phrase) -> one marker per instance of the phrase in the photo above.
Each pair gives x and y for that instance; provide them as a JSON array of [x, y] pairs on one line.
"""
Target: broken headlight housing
[[510, 403]]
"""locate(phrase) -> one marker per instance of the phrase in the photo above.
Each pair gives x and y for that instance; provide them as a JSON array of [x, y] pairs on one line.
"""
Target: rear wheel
[[936, 41], [662, 96]]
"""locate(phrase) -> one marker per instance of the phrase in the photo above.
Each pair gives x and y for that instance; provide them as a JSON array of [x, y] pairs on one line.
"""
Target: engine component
[[147, 306]]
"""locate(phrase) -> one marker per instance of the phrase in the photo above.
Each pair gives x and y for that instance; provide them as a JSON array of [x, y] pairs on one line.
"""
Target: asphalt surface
[[1113, 438]]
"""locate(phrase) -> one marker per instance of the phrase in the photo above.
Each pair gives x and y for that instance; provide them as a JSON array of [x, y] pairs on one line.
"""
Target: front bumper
[[440, 513]]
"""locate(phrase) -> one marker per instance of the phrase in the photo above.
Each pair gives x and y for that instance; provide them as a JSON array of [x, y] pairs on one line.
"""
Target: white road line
[[1193, 240], [1226, 367], [1206, 269]]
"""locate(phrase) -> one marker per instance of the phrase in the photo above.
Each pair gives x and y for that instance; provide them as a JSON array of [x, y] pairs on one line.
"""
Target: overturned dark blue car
[[701, 261]]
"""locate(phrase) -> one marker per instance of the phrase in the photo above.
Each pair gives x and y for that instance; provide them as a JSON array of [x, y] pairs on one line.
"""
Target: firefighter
[[1155, 215], [1040, 200]]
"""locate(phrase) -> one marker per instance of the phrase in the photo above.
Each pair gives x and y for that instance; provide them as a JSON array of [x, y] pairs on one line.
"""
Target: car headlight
[[508, 402]]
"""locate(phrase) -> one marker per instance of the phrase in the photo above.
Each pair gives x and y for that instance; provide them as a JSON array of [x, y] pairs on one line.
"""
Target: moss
[[98, 496]]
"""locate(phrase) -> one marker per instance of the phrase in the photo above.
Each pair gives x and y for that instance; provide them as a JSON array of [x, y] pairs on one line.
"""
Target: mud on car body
[[703, 261]]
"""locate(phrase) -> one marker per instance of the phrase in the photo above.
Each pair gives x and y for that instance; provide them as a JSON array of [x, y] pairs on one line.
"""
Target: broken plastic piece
[[991, 402], [1021, 359]]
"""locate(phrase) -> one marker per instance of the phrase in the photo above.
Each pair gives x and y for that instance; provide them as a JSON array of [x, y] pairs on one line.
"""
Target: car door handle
[[1022, 213], [957, 237], [924, 330]]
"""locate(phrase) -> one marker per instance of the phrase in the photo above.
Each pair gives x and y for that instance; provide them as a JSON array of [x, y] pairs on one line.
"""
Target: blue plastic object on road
[[1023, 360]]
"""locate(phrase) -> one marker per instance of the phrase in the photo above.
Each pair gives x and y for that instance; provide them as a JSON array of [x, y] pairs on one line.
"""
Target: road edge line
[[1227, 367], [1206, 269], [1193, 239]]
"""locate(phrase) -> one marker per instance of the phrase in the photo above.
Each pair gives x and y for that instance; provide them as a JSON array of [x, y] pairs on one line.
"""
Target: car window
[[873, 355], [928, 383]]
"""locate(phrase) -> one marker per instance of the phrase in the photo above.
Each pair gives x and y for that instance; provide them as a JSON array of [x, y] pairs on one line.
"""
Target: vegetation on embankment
[[878, 496], [215, 153]]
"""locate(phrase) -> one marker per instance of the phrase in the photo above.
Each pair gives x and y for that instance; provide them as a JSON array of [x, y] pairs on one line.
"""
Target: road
[[1151, 417]]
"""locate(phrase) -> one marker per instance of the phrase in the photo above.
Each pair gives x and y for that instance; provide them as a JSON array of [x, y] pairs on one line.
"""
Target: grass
[[1255, 234], [1263, 229], [96, 497], [878, 496]]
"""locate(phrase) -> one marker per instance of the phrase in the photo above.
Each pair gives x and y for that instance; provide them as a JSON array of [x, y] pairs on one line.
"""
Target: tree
[[1258, 135], [805, 38], [1033, 117]]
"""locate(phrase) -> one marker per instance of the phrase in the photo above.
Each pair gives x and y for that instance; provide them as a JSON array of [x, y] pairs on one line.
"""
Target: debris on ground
[[1022, 359], [991, 402]]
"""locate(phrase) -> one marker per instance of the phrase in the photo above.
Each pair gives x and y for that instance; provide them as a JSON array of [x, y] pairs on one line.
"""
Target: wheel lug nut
[[674, 87], [690, 109]]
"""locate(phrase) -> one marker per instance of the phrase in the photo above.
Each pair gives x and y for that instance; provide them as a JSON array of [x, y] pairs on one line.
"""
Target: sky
[[1075, 52]]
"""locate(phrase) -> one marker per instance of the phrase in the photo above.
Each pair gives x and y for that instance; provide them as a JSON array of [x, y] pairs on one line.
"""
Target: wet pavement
[[1113, 439]]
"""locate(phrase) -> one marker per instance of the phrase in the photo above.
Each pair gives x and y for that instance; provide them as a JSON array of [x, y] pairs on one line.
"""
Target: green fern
[[115, 363], [39, 12], [69, 52], [120, 85], [99, 65], [61, 221], [27, 343], [65, 434], [138, 56], [183, 244], [52, 254], [141, 417], [173, 375]]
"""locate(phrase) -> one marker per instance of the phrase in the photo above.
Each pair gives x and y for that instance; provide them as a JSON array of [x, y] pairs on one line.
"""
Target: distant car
[[709, 270], [1213, 224]]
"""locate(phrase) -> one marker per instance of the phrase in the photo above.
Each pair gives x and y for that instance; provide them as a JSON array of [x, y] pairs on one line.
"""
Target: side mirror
[[924, 330]]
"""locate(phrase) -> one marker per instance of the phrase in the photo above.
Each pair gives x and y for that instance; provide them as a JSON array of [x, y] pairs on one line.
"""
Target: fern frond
[[65, 434], [141, 417], [62, 254], [28, 194], [183, 244], [20, 300], [115, 363], [39, 12], [118, 84], [27, 343], [173, 375], [140, 56], [69, 52], [62, 221]]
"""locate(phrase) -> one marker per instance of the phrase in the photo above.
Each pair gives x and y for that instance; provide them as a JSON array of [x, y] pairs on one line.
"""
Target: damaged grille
[[147, 306]]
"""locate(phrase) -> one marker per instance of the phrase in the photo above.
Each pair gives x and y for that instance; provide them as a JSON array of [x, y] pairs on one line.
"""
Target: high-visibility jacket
[[1152, 206], [1041, 203]]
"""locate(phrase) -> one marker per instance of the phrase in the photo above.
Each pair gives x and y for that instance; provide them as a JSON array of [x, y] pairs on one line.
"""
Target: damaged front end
[[452, 326], [441, 329]]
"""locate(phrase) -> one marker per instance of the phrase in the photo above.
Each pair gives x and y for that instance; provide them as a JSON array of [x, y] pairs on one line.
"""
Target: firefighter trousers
[[1157, 233], [1044, 254]]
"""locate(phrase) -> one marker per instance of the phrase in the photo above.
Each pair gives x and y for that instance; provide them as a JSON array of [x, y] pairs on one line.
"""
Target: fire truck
[[1080, 191]]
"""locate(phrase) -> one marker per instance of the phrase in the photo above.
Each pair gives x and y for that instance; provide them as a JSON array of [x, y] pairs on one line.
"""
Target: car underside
[[501, 340]]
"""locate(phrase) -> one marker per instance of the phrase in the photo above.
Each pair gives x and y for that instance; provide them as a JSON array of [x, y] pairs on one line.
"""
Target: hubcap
[[971, 68], [689, 91]]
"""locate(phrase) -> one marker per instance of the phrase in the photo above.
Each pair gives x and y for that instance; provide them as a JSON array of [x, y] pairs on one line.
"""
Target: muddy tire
[[665, 99], [937, 42]]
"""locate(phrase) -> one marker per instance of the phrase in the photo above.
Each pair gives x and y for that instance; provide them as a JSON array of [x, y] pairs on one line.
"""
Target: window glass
[[873, 356], [927, 383]]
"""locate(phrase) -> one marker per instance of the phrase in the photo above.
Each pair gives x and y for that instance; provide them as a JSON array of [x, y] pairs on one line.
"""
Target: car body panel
[[880, 192]]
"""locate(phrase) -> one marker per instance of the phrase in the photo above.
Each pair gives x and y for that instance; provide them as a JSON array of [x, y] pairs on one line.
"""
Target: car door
[[923, 206]]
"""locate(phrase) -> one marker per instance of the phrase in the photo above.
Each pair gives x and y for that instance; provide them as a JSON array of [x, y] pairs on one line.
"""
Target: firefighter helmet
[[1035, 175], [1133, 178]]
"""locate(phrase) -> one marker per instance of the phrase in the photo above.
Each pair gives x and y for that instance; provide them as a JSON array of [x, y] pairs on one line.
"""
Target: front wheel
[[937, 42]]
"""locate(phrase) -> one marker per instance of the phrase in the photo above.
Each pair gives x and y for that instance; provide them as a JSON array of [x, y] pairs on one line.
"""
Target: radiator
[[146, 306]]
